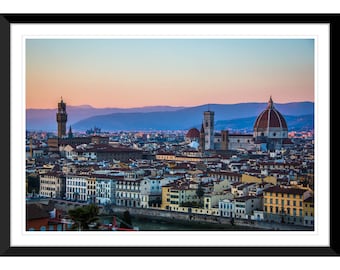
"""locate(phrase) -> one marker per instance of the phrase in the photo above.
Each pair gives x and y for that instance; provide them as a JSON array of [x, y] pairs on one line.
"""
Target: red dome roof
[[270, 118], [193, 133]]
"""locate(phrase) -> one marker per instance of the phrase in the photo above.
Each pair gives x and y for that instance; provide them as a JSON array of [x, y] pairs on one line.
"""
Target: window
[[294, 212], [294, 203], [282, 202], [288, 202], [276, 209], [271, 201], [276, 201], [300, 212]]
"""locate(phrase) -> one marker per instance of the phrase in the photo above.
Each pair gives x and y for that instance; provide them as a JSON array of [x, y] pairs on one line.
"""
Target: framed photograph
[[168, 134]]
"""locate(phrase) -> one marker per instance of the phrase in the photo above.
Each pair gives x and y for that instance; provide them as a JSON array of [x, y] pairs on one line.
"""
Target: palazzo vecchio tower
[[61, 119]]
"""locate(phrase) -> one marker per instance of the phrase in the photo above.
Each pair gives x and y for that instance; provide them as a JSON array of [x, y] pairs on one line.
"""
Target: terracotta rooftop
[[37, 211], [193, 133], [288, 190]]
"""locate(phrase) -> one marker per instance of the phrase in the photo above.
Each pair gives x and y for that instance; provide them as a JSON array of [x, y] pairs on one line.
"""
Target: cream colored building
[[91, 188], [52, 185]]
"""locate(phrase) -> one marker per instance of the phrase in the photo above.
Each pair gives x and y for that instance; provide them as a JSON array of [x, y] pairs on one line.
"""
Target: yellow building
[[253, 179], [91, 188], [173, 157], [174, 196], [308, 211], [284, 204], [166, 196]]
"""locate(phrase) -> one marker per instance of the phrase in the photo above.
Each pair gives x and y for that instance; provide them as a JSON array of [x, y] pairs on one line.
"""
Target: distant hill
[[191, 117], [45, 119], [298, 123]]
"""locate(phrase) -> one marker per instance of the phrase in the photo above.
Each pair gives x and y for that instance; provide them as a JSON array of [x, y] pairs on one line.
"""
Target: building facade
[[151, 192], [91, 189], [128, 189], [52, 185], [308, 211], [105, 190], [284, 204], [241, 207], [76, 187]]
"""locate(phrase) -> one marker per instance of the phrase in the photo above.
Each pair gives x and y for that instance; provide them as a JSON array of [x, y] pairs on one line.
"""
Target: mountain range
[[234, 116], [45, 119]]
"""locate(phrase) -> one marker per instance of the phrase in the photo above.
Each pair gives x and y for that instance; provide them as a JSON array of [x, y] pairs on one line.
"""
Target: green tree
[[83, 216], [33, 183]]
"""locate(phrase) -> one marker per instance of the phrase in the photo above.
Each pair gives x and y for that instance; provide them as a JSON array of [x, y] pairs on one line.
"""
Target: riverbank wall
[[179, 217], [170, 216]]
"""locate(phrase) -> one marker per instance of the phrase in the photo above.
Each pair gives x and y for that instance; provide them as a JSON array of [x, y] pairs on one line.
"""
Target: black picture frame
[[5, 244]]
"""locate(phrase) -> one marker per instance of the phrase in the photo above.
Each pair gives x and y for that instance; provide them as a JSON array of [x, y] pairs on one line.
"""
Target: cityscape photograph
[[169, 134]]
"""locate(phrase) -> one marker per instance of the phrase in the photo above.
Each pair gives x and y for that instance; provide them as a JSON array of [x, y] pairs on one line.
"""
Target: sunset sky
[[177, 72]]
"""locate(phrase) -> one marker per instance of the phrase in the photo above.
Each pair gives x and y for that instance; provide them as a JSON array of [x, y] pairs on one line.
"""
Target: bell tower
[[208, 123], [61, 118]]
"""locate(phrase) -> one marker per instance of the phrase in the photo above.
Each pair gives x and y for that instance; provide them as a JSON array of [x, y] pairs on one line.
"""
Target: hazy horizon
[[206, 104]]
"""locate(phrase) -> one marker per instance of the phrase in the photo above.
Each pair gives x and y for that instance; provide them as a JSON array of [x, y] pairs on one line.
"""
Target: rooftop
[[285, 190]]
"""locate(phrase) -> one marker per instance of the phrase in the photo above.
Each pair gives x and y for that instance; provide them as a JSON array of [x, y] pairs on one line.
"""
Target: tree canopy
[[83, 216]]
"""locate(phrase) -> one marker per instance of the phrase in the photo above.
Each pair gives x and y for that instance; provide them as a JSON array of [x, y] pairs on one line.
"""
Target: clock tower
[[61, 119]]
